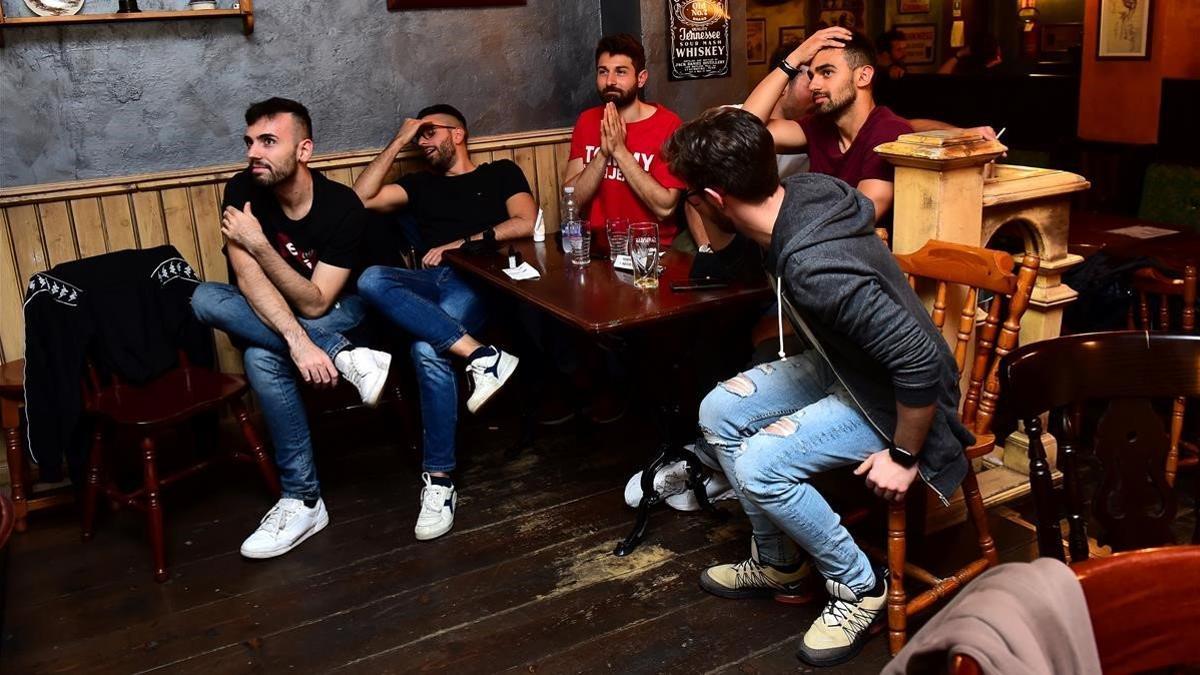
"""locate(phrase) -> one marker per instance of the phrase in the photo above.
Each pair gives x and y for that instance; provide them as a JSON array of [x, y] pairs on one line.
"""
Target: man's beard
[[833, 106], [443, 158], [275, 174], [619, 98]]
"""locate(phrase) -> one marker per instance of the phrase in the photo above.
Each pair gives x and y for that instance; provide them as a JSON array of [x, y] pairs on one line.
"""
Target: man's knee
[[207, 298], [756, 468], [371, 281], [718, 407], [264, 364]]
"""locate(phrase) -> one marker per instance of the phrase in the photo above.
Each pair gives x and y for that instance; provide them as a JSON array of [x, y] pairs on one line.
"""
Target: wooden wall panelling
[[524, 157], [88, 226], [27, 241], [342, 176], [206, 208], [181, 230], [547, 185], [12, 295], [57, 232], [118, 222], [503, 153], [480, 157], [148, 218]]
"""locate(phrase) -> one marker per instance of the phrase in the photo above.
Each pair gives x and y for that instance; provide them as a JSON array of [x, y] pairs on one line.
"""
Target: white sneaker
[[671, 483], [843, 627], [716, 486], [437, 510], [285, 526], [487, 374], [366, 369]]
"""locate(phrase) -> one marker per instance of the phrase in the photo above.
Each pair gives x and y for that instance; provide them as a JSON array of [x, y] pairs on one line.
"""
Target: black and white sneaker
[[486, 374], [438, 503], [845, 624]]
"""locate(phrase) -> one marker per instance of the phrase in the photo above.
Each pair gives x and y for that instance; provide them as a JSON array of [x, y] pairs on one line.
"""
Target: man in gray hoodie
[[877, 388]]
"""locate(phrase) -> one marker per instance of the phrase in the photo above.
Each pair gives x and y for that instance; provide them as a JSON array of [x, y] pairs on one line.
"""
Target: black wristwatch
[[789, 69], [489, 236], [901, 456]]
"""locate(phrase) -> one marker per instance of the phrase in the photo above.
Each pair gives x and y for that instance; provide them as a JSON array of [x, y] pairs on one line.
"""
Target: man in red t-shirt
[[616, 163], [841, 134]]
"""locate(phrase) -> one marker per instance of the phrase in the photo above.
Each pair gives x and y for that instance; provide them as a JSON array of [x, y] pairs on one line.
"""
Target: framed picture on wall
[[1061, 37], [913, 6], [791, 34], [921, 41], [756, 41], [1123, 29]]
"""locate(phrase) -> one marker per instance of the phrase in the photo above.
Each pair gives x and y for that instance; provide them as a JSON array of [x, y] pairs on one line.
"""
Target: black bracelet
[[489, 236], [788, 69]]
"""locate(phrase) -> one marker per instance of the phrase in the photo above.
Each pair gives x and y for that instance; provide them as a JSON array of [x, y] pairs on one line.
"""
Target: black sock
[[310, 503], [485, 350], [786, 569], [876, 590], [444, 481]]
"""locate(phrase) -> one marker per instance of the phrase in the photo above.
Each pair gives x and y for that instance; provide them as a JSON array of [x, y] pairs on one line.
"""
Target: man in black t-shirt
[[455, 202], [292, 244]]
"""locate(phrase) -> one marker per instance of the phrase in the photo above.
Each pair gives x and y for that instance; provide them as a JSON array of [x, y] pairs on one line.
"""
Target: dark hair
[[275, 106], [624, 44], [781, 52], [884, 44], [726, 149], [858, 51], [444, 109]]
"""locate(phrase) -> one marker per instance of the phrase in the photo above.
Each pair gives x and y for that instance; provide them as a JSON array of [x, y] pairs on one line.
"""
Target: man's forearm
[[264, 298], [587, 182], [660, 200], [301, 293], [369, 182], [912, 426], [762, 100]]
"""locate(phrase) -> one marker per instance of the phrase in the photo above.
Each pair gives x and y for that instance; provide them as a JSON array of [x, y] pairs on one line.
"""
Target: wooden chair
[[1154, 288], [1139, 620], [1133, 502], [974, 269], [176, 397]]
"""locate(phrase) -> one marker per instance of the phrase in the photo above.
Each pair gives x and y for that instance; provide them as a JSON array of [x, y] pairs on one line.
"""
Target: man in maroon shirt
[[841, 134]]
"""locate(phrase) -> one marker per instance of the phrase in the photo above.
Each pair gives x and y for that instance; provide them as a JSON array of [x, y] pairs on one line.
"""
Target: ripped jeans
[[770, 430]]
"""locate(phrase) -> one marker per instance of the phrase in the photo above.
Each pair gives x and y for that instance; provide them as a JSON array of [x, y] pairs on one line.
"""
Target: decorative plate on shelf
[[54, 7]]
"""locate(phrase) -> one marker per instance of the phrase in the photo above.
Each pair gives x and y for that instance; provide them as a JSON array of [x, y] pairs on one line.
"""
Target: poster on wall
[[1123, 29], [921, 41], [756, 41], [698, 44], [913, 6], [844, 13]]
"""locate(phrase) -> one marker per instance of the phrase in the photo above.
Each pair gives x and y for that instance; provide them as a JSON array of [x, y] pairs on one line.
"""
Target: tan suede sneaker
[[751, 579], [844, 626]]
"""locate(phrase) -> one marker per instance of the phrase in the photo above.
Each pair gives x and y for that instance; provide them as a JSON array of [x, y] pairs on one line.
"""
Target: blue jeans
[[770, 470], [437, 308], [273, 376]]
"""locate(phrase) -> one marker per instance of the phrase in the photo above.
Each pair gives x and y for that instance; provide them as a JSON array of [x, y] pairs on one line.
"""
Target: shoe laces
[[750, 573], [276, 519], [844, 613], [433, 497]]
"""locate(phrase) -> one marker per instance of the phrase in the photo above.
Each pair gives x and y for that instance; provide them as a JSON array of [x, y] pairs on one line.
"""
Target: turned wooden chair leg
[[974, 500], [265, 465], [154, 510], [897, 601], [16, 462], [91, 489]]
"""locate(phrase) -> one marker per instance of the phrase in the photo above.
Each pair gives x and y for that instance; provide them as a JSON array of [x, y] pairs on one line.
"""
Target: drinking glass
[[643, 250], [581, 244], [618, 236]]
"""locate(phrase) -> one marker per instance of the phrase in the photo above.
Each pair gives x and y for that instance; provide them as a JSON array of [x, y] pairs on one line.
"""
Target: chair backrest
[[1128, 370], [1155, 290], [1143, 610], [976, 269]]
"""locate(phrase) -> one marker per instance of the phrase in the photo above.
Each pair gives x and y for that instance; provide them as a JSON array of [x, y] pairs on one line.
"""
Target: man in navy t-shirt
[[456, 201]]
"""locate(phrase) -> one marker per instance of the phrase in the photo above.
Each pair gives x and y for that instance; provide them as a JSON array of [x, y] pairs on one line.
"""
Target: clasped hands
[[612, 132]]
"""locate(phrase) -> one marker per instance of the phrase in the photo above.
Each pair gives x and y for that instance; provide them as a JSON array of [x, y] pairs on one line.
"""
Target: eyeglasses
[[692, 194]]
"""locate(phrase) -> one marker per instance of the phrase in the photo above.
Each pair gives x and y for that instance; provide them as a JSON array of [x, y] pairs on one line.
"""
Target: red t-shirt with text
[[644, 139]]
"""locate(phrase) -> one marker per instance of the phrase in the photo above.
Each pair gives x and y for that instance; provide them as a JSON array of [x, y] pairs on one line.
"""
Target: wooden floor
[[524, 583]]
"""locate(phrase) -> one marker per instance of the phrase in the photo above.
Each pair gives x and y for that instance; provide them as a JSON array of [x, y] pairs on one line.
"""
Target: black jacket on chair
[[128, 311]]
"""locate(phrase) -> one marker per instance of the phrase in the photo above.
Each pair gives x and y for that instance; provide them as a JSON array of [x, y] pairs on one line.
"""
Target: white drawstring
[[779, 315]]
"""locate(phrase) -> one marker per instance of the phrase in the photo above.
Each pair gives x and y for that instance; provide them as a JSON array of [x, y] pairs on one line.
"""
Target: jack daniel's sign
[[698, 41]]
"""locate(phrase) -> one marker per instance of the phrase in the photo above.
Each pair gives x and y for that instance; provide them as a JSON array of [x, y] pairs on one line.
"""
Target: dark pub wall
[[96, 100]]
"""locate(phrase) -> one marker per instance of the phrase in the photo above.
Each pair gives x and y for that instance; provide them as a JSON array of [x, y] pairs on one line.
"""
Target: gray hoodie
[[853, 299]]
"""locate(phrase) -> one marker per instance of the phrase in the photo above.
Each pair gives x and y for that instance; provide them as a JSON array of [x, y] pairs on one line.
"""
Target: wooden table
[[1092, 232], [604, 302]]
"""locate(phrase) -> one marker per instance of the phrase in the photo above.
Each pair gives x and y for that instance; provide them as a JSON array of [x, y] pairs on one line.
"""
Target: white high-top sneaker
[[285, 526], [487, 375], [366, 369], [438, 503]]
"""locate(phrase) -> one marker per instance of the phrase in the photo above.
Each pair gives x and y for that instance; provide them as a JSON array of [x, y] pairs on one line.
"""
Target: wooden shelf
[[245, 12]]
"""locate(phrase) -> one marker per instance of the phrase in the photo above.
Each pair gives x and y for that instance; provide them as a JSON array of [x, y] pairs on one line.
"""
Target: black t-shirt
[[448, 208], [331, 232]]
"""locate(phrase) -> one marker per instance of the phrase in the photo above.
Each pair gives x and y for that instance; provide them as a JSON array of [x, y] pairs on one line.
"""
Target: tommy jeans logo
[[62, 292], [611, 172], [174, 268]]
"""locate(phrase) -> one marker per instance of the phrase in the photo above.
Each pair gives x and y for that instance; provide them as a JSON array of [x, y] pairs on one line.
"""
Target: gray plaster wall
[[92, 101]]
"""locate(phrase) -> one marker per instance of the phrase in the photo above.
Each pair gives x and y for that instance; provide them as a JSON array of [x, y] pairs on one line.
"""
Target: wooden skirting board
[[47, 224]]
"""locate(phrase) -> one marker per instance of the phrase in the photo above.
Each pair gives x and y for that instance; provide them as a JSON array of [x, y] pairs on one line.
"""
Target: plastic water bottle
[[572, 227]]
